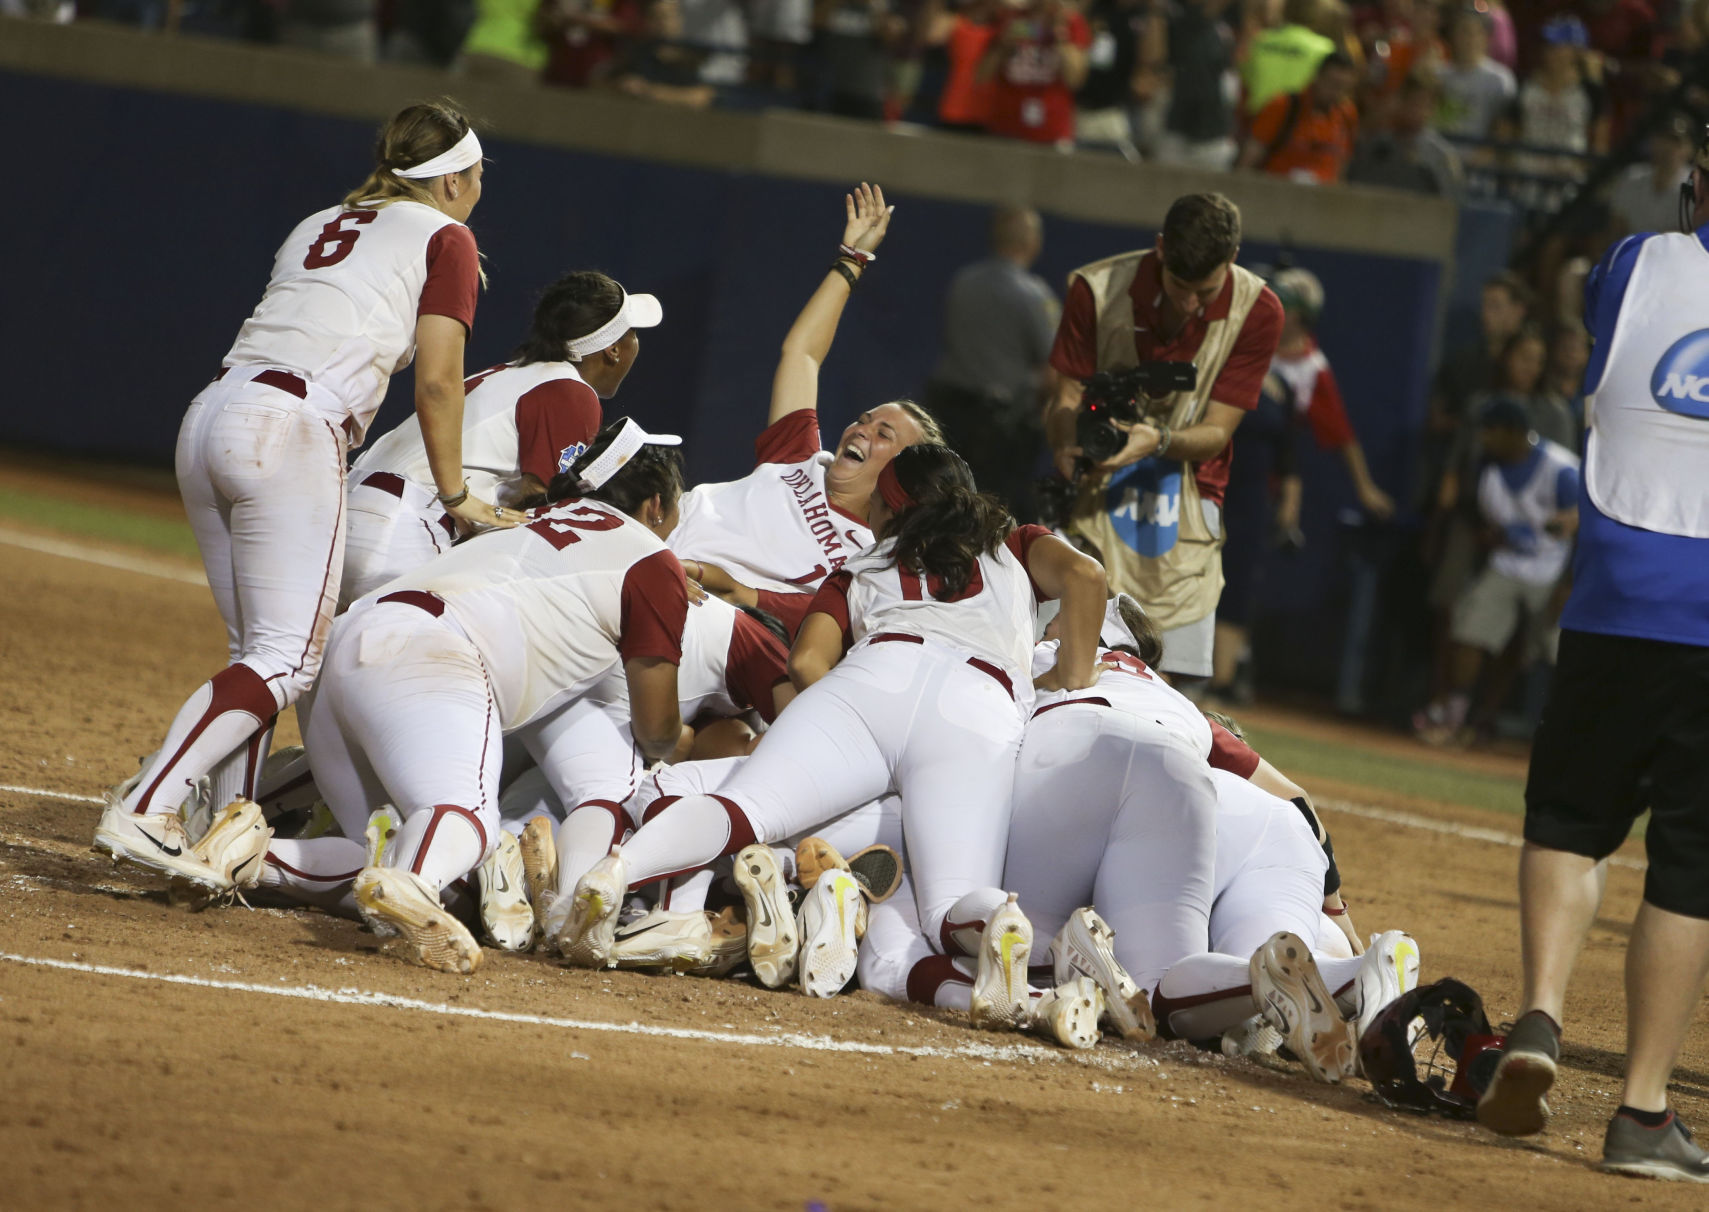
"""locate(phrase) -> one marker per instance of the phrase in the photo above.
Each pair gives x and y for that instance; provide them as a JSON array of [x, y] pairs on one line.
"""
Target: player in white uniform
[[524, 421], [936, 622], [770, 538], [424, 676], [356, 291]]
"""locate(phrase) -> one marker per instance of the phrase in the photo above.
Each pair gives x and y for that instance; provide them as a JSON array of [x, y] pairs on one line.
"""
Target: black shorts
[[1627, 729]]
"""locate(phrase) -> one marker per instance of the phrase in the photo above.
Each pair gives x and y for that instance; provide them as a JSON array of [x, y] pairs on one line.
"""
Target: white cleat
[[1288, 990], [539, 867], [772, 940], [397, 902], [156, 842], [1085, 947], [1254, 1037], [588, 924], [235, 845], [1000, 997], [1070, 1012], [382, 831], [729, 947], [1388, 969], [830, 934], [506, 915], [663, 939]]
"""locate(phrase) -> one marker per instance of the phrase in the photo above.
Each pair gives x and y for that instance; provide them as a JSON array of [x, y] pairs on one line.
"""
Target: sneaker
[[234, 845], [1000, 997], [382, 831], [1070, 1012], [829, 941], [398, 902], [506, 915], [587, 927], [1389, 969], [771, 922], [1085, 947], [1667, 1152], [1288, 990], [663, 939], [729, 948], [1516, 1103], [878, 871], [156, 842], [539, 849]]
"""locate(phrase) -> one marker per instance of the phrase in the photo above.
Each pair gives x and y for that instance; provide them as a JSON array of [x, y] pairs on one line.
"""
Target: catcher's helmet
[[1443, 1026]]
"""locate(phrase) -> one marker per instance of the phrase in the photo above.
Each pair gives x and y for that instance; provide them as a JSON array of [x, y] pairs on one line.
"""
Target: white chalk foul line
[[52, 795], [164, 569], [788, 1039], [1476, 833]]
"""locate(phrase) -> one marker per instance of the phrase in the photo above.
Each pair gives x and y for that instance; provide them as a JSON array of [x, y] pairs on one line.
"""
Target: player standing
[[357, 290]]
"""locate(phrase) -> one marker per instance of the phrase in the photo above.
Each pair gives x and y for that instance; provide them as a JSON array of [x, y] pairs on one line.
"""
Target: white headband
[[638, 311], [624, 447], [462, 154]]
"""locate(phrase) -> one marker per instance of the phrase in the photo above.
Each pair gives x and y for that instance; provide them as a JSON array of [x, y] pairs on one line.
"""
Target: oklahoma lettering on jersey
[[555, 605], [775, 528], [346, 291], [1130, 686], [516, 419]]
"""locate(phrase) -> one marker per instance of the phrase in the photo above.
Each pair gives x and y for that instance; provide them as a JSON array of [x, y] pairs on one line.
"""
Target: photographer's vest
[[1178, 577]]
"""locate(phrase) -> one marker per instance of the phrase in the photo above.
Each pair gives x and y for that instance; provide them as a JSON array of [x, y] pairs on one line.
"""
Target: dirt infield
[[299, 1066]]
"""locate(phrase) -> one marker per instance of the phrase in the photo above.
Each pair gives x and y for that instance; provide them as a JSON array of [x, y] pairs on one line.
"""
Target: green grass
[[166, 535], [1302, 758]]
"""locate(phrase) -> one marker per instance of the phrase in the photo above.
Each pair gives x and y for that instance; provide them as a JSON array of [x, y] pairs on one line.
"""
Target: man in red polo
[[1153, 511]]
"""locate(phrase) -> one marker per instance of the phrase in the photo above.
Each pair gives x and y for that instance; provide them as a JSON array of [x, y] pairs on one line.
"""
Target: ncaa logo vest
[[1680, 382]]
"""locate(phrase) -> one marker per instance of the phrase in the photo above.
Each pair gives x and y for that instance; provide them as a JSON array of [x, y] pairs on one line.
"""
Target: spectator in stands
[[1645, 197], [965, 103], [659, 68], [1475, 88], [1121, 73], [1626, 37], [1198, 128], [988, 389], [1559, 107], [1408, 154], [1503, 37], [583, 37], [346, 28], [722, 26], [504, 44], [1527, 498], [428, 31], [1036, 61], [854, 40], [1569, 354], [1401, 38], [1285, 59], [1308, 136], [779, 31]]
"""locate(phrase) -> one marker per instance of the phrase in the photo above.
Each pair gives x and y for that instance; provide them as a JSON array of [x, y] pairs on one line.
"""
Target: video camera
[[1115, 395]]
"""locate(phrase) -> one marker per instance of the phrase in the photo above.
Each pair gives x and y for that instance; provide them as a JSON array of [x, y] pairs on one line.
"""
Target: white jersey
[[555, 605], [1520, 501], [775, 528], [536, 419], [730, 663], [992, 619], [346, 291], [1131, 687]]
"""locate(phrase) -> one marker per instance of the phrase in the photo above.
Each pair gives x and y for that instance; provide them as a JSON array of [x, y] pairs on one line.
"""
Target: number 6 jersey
[[555, 605], [342, 304]]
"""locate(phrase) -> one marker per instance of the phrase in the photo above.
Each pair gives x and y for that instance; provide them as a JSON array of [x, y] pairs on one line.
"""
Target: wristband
[[454, 499], [849, 275], [858, 255], [1165, 436]]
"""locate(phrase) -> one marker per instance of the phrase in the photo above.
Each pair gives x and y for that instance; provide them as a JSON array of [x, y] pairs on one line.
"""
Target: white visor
[[1115, 633], [465, 153], [624, 447], [638, 311]]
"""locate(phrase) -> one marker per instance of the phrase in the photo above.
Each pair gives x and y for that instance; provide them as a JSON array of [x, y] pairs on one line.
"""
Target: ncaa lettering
[[1686, 387], [817, 513]]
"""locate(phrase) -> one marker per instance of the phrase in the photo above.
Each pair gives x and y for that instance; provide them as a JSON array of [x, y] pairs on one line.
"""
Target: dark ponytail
[[577, 304], [653, 471], [948, 523]]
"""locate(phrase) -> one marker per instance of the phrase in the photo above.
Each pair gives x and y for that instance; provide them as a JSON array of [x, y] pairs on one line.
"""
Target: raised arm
[[796, 384]]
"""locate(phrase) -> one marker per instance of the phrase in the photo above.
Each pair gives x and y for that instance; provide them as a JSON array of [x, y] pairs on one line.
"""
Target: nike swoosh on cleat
[[172, 851], [503, 884], [630, 932], [241, 866]]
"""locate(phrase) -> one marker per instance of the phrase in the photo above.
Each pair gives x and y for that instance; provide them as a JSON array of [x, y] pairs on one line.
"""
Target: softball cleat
[[1388, 969], [1288, 990], [772, 937], [539, 848], [589, 926], [830, 936], [1086, 947], [398, 902], [157, 842], [506, 916], [663, 939], [1000, 995], [235, 845], [1070, 1012]]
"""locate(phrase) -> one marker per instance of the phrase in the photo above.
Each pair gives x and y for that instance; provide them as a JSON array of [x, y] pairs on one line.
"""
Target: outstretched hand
[[868, 218]]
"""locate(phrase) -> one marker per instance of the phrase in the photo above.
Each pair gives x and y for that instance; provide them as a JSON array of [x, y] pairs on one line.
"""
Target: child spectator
[[1558, 107], [1569, 354], [1475, 88], [1308, 135], [1036, 61], [1198, 128]]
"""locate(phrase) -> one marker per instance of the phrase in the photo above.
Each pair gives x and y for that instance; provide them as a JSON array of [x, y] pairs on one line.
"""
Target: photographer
[[1152, 508]]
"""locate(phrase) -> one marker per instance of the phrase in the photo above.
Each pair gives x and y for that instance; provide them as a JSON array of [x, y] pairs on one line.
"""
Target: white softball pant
[[914, 718], [395, 527], [262, 479]]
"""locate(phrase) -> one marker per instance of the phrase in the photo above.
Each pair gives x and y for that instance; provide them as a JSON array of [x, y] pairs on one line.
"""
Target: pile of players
[[633, 725]]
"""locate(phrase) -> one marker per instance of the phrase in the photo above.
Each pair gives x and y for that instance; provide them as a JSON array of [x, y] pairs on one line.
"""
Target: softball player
[[936, 621], [770, 538], [524, 421], [357, 290], [425, 676]]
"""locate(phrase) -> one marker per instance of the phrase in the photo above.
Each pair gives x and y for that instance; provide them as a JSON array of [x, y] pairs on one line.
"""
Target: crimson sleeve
[[551, 421], [793, 438], [787, 608], [1230, 753], [453, 275], [833, 599], [755, 663], [655, 607], [1075, 353], [1327, 414], [1020, 544], [1242, 376]]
